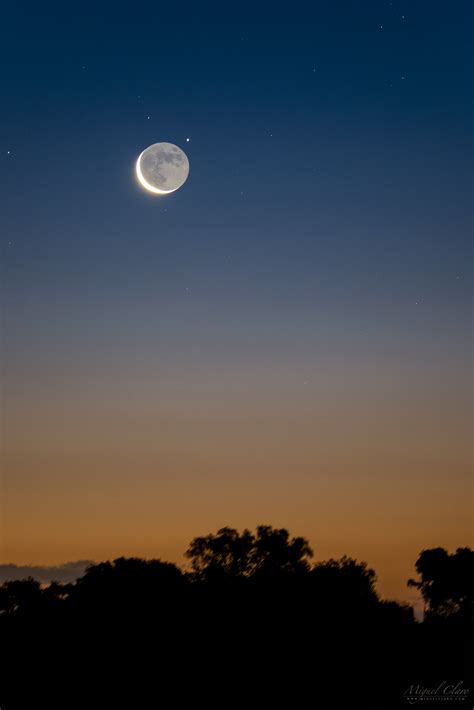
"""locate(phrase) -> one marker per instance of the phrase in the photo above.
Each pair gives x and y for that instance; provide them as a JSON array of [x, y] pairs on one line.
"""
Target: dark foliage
[[269, 553], [252, 624], [446, 582]]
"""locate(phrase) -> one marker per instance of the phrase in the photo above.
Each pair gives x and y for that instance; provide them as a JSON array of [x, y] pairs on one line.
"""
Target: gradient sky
[[286, 339]]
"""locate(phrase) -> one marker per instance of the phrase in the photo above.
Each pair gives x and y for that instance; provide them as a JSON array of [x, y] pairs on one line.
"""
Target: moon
[[162, 168]]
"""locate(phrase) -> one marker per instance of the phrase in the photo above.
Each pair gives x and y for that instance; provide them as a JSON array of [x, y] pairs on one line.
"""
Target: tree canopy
[[268, 552], [253, 610], [446, 581]]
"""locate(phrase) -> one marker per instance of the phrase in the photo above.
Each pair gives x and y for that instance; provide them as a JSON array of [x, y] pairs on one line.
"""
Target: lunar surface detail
[[162, 168]]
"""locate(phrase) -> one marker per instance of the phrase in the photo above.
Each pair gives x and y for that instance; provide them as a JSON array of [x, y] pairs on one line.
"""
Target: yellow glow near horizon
[[147, 185]]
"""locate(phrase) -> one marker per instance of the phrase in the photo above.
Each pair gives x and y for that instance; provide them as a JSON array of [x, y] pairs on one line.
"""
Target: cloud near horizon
[[67, 572]]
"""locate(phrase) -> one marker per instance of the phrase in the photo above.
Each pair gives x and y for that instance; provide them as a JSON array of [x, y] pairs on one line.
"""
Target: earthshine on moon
[[162, 168]]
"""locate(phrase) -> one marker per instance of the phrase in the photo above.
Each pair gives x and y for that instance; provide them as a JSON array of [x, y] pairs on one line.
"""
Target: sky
[[285, 340]]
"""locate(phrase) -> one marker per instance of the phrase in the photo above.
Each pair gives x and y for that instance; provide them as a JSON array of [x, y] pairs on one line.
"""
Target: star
[[8, 152], [187, 140], [148, 118]]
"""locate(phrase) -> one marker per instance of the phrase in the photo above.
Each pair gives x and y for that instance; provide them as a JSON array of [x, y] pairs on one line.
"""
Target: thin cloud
[[67, 572]]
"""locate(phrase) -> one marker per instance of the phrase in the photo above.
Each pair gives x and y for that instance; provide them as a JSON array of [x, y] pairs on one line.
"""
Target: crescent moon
[[146, 184]]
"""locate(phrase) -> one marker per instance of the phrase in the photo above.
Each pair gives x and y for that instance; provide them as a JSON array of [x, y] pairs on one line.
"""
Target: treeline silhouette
[[253, 622]]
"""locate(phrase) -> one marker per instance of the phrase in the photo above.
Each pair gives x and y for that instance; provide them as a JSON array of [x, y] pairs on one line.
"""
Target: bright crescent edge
[[147, 185]]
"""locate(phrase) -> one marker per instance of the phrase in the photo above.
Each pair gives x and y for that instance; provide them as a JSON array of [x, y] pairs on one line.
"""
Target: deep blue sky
[[316, 260], [351, 174]]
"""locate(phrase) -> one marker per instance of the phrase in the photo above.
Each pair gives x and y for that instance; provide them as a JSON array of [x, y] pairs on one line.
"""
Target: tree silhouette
[[224, 555], [126, 583], [22, 595], [446, 581], [253, 610], [274, 553], [230, 554], [344, 588]]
